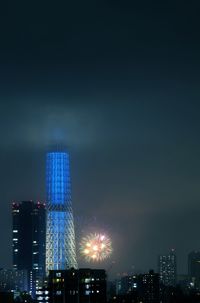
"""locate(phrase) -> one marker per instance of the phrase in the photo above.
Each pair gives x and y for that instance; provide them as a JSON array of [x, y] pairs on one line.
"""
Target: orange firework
[[95, 247]]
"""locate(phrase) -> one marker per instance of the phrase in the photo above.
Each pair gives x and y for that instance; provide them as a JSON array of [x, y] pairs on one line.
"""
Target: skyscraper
[[167, 268], [60, 236], [29, 222], [194, 268], [149, 287]]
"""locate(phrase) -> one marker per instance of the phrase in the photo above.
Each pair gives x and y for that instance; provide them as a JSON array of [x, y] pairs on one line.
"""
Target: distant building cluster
[[165, 286], [45, 268]]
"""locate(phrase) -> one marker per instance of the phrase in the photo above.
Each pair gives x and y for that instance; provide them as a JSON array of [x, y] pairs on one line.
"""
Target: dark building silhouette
[[142, 288], [167, 268], [13, 280], [29, 230], [127, 284], [149, 287], [127, 298], [194, 269], [6, 297], [111, 290], [77, 285], [183, 281]]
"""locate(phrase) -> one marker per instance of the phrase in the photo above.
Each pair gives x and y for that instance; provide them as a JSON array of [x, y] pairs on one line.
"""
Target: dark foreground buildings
[[6, 297], [75, 286], [29, 228], [194, 269], [142, 288], [149, 287]]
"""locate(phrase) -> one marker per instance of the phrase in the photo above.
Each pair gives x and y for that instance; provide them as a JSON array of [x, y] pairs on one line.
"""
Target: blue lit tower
[[60, 236]]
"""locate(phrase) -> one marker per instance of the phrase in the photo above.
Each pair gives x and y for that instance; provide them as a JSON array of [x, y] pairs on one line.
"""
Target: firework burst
[[96, 247]]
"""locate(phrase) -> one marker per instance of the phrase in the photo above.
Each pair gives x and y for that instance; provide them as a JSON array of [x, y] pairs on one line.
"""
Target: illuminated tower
[[60, 236]]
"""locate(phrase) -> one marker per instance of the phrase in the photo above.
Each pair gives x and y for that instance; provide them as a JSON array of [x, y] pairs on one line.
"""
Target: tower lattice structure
[[60, 235]]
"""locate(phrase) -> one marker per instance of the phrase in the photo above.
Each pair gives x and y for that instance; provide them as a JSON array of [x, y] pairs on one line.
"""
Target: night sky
[[118, 83]]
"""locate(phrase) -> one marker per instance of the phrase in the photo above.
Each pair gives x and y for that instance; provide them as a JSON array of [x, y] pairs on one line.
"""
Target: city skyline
[[94, 225], [117, 83]]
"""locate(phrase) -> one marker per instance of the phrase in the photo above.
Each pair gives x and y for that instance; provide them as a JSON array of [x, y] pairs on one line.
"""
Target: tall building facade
[[167, 268], [60, 236], [149, 287], [194, 269], [77, 285], [29, 226]]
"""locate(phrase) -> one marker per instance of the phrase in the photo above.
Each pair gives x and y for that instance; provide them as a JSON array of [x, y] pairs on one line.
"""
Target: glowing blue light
[[60, 247], [58, 178]]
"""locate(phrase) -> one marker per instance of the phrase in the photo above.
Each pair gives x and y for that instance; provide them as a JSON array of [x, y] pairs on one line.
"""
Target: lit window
[[39, 292], [59, 292]]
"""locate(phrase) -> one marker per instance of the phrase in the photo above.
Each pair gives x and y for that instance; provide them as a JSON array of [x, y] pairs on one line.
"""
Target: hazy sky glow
[[118, 84]]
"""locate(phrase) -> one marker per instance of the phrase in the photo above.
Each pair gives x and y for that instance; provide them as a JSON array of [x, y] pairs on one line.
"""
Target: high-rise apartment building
[[60, 236], [167, 268], [194, 269], [149, 287], [29, 226], [77, 285]]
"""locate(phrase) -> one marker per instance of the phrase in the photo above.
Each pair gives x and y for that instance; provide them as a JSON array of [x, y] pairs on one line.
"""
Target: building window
[[58, 292]]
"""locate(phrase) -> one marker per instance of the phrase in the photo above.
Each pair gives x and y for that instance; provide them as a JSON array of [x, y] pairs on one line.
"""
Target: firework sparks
[[96, 247]]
